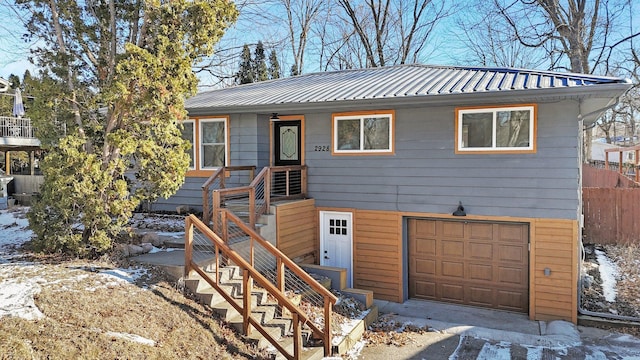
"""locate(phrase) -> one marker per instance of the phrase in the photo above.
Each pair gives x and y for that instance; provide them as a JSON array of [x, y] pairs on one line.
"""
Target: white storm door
[[336, 239]]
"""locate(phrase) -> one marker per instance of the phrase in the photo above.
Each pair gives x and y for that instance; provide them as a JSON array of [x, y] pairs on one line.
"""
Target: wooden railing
[[631, 167], [283, 265], [218, 180], [272, 183]]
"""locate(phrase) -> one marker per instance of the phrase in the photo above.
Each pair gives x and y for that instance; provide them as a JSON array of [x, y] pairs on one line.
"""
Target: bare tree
[[300, 16], [481, 40], [393, 31], [574, 34]]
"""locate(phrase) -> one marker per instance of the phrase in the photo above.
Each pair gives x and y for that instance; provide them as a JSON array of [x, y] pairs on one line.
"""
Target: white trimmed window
[[500, 129], [189, 134], [213, 143], [363, 133]]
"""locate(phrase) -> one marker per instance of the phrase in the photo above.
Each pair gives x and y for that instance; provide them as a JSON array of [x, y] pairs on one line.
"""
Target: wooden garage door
[[473, 263]]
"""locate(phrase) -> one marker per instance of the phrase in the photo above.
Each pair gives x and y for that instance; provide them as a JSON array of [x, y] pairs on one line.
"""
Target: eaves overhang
[[604, 92]]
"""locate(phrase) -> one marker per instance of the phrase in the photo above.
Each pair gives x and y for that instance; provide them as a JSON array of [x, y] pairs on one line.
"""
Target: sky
[[251, 27], [14, 51]]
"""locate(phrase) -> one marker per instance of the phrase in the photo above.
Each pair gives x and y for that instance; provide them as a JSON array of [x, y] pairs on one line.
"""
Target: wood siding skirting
[[379, 258], [297, 231]]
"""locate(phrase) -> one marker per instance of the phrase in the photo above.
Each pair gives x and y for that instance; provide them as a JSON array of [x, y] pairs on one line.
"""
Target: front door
[[287, 151], [336, 239]]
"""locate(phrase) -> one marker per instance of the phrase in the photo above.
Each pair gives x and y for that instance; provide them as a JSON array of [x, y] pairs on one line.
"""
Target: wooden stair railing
[[222, 252], [259, 193], [216, 181]]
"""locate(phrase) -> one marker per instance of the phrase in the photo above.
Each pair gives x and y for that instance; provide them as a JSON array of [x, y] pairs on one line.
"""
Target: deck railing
[[228, 176], [631, 167], [272, 183], [264, 264], [16, 127]]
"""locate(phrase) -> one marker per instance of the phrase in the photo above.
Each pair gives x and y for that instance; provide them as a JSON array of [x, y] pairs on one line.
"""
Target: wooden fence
[[593, 177], [611, 215]]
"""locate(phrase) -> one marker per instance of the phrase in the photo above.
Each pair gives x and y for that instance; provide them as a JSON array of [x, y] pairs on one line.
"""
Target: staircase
[[263, 308], [233, 247], [286, 300]]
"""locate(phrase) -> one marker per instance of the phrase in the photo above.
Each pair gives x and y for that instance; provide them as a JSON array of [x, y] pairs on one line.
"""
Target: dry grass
[[86, 315]]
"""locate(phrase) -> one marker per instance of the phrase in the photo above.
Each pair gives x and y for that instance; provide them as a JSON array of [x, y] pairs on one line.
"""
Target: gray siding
[[248, 145], [425, 175], [190, 193]]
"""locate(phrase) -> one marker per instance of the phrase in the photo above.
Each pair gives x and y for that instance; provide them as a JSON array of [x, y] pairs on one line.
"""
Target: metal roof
[[394, 82]]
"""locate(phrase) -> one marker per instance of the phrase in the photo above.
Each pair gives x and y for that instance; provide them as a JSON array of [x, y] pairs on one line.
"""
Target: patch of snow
[[173, 234], [131, 337], [355, 351], [16, 299], [125, 275], [345, 329], [157, 250], [14, 229], [608, 274], [534, 352], [499, 351]]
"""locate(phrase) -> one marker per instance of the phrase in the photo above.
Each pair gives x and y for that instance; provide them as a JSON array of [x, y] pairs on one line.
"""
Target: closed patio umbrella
[[18, 105]]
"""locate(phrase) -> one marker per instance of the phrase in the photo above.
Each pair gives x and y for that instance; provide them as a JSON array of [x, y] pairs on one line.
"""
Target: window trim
[[203, 121], [533, 129], [193, 143], [361, 115]]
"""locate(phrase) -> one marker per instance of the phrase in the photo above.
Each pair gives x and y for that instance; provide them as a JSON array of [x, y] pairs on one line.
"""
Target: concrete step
[[307, 353], [262, 314]]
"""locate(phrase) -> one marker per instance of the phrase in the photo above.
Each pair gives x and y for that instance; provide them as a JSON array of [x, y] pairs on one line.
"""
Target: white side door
[[336, 240]]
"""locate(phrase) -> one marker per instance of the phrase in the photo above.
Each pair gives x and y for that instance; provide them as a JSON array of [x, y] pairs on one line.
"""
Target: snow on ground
[[608, 274], [20, 280]]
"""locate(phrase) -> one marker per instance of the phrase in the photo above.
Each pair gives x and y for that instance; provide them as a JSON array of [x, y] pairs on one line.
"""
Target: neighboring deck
[[17, 134]]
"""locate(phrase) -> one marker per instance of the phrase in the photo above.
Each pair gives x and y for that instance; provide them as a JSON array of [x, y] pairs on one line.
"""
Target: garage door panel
[[511, 276], [451, 229], [452, 248], [425, 267], [470, 262], [511, 233], [481, 251], [425, 290], [512, 300], [452, 269], [481, 272], [515, 253], [481, 231], [425, 246], [425, 228], [452, 292], [481, 296]]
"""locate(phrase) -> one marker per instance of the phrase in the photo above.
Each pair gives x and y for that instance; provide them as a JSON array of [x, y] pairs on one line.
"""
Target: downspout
[[582, 253]]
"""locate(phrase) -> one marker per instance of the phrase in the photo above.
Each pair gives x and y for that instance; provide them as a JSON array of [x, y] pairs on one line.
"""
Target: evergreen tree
[[274, 66], [245, 74], [260, 64], [118, 72]]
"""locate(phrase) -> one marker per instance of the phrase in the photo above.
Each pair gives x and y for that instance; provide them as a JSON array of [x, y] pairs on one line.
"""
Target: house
[[21, 150], [500, 147]]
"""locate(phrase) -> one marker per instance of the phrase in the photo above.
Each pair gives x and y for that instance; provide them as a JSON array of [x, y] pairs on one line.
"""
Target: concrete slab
[[174, 258], [479, 323], [171, 261]]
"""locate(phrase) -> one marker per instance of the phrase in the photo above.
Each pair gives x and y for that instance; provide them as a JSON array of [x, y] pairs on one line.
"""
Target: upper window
[[189, 134], [213, 143], [501, 129], [363, 133]]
